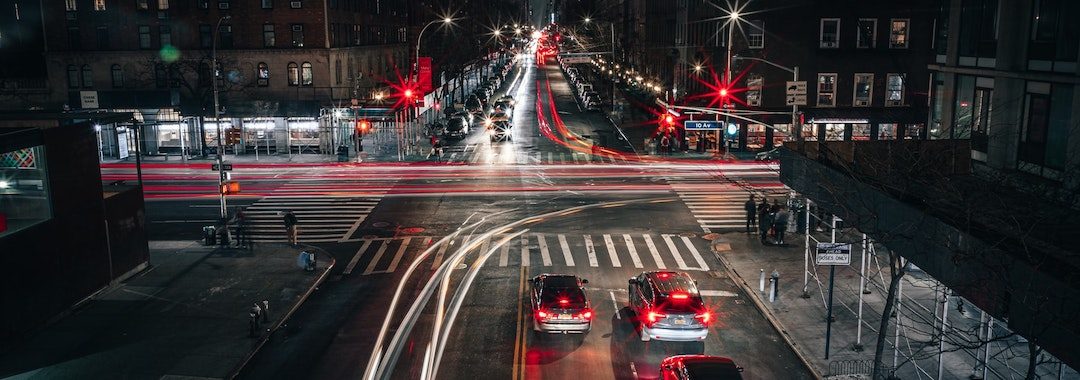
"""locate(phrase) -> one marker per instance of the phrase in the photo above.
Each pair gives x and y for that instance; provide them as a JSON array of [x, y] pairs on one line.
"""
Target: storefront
[[230, 136], [304, 135], [259, 136]]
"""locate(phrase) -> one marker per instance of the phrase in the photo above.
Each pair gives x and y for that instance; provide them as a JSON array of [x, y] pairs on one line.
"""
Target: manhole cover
[[712, 236], [688, 234], [412, 230], [380, 224]]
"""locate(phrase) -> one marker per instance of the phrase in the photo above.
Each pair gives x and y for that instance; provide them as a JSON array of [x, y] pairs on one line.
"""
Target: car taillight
[[586, 315], [704, 317], [541, 315], [654, 316], [680, 296]]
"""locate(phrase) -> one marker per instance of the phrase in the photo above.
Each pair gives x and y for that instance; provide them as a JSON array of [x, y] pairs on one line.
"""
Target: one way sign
[[796, 93]]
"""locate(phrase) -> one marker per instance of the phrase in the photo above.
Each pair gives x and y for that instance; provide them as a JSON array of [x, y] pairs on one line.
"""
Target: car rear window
[[553, 297], [715, 371]]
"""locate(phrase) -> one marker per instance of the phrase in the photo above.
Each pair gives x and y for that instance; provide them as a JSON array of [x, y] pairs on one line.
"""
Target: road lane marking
[[655, 253], [549, 158], [397, 256], [504, 255], [544, 254], [633, 250], [576, 159], [375, 260], [519, 330], [674, 251], [439, 254], [356, 258], [591, 251], [566, 250], [524, 251], [615, 304], [611, 251], [694, 251], [717, 293]]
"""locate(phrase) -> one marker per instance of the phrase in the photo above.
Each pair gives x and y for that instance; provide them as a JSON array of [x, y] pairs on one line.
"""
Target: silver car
[[559, 304]]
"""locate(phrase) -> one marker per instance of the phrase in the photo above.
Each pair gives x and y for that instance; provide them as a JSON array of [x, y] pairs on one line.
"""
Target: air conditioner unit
[[294, 4], [223, 5], [862, 103], [829, 44]]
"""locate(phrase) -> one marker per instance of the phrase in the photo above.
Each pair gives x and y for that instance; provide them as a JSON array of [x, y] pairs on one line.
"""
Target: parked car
[[500, 130], [559, 304], [668, 307], [504, 104], [699, 367], [474, 105], [456, 127], [467, 115], [482, 95]]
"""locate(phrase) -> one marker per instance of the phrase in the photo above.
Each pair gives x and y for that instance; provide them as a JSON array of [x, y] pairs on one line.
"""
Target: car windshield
[[718, 371], [562, 297]]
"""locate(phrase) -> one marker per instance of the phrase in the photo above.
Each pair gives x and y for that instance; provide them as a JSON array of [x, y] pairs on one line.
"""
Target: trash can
[[342, 153], [209, 235]]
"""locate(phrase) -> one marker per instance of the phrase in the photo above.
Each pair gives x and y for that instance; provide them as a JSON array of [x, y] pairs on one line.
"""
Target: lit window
[[898, 34], [70, 5], [830, 33], [294, 74], [867, 38], [755, 34], [263, 74], [25, 198], [894, 90], [99, 5], [826, 90], [306, 76], [864, 89], [163, 4]]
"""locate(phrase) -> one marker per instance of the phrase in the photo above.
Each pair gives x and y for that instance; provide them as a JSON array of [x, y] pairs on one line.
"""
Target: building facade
[[283, 66]]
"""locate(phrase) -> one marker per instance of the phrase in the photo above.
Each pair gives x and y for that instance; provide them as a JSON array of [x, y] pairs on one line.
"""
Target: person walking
[[290, 227], [242, 238], [763, 222], [665, 144], [780, 224], [751, 213]]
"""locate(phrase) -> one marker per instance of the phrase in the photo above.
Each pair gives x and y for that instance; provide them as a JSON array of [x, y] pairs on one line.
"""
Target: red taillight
[[705, 317], [541, 315], [564, 301], [664, 275], [680, 296], [587, 315], [654, 316]]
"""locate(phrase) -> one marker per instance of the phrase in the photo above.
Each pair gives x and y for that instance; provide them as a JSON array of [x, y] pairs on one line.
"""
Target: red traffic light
[[669, 120], [723, 92], [363, 126], [408, 93]]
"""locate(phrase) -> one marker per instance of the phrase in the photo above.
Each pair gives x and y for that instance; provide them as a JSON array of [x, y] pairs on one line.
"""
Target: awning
[[868, 115]]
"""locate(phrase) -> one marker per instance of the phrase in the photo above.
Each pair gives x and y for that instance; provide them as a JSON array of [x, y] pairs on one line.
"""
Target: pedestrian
[[665, 144], [241, 229], [253, 324], [763, 224], [257, 310], [265, 310], [290, 227], [780, 224], [751, 213]]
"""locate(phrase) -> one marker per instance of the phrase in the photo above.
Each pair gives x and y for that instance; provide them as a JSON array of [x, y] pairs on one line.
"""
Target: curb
[[741, 282], [235, 372]]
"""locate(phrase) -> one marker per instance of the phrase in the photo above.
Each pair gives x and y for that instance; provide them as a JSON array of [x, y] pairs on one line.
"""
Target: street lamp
[[419, 37], [217, 115], [733, 18]]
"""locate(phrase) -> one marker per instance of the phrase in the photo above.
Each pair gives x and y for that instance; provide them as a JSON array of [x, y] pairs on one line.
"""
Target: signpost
[[832, 254], [796, 93], [224, 167], [568, 60], [703, 125]]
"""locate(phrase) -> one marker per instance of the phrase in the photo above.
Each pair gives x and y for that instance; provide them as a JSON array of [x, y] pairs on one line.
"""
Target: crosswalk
[[496, 157], [719, 205], [640, 251], [321, 219]]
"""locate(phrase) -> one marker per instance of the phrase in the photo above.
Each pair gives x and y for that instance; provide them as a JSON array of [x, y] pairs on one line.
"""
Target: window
[[160, 75], [978, 28], [306, 74], [337, 71], [225, 35], [166, 35], [87, 77], [898, 34], [297, 35], [267, 4], [826, 90], [333, 34], [26, 197], [834, 132], [894, 90], [144, 37], [356, 34], [70, 5], [268, 35], [860, 132], [830, 33], [163, 4], [263, 74], [864, 90], [204, 4], [142, 5], [206, 36], [103, 37], [73, 76], [223, 4], [753, 90], [74, 38], [295, 4], [867, 38], [809, 132], [755, 34], [99, 5], [886, 132], [117, 76], [1044, 134], [294, 74]]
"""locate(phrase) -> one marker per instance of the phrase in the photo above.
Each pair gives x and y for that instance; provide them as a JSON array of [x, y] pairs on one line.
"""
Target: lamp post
[[733, 18], [796, 129], [217, 115], [419, 37], [611, 94]]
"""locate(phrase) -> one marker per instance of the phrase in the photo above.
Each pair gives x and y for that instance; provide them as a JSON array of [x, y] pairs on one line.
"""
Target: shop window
[[755, 136], [117, 76], [263, 74], [834, 132], [864, 90], [73, 76], [87, 77], [303, 135], [306, 76], [830, 33], [826, 90], [894, 90], [886, 132], [25, 199], [913, 132], [294, 74], [867, 38], [809, 132], [860, 132], [781, 133], [898, 33]]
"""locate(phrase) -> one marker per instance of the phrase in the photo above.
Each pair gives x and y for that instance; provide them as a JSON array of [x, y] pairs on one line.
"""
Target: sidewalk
[[186, 316], [802, 320]]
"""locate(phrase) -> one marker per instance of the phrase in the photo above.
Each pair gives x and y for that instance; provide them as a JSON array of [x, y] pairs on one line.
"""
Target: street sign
[[576, 59], [833, 253], [796, 93], [703, 125], [227, 167]]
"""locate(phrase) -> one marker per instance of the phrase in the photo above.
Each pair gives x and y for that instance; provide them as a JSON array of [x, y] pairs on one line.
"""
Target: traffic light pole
[[217, 121]]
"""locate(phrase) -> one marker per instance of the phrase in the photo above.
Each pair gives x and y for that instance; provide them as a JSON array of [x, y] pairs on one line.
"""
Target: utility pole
[[217, 118]]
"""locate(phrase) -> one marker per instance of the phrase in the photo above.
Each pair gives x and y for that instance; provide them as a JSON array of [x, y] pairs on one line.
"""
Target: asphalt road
[[378, 220]]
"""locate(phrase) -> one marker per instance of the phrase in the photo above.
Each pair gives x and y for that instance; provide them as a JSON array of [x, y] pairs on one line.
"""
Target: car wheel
[[644, 335]]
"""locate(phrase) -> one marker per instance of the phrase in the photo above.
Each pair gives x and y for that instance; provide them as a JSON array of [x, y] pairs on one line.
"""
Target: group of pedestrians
[[771, 221]]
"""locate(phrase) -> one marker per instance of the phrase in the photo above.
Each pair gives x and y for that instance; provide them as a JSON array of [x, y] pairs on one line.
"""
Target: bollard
[[775, 280], [265, 310], [761, 280], [253, 324], [256, 310]]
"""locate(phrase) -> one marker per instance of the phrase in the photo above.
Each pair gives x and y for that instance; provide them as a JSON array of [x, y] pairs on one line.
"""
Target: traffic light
[[669, 120], [723, 92], [363, 127], [408, 93]]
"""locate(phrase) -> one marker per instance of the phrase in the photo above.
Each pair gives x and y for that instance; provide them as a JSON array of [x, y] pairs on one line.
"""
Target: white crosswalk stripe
[[321, 218], [487, 157], [386, 255], [719, 205]]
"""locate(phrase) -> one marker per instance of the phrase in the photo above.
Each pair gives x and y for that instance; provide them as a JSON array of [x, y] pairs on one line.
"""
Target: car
[[499, 130], [482, 95], [456, 127], [467, 115], [474, 105], [769, 155], [592, 105], [697, 367], [498, 116], [669, 307], [504, 104], [584, 87], [559, 304]]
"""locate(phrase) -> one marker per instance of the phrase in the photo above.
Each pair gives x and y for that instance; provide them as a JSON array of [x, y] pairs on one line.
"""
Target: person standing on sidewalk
[[242, 238], [290, 226], [751, 213], [780, 224], [763, 222]]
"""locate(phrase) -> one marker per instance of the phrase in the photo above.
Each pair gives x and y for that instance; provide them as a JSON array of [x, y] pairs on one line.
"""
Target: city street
[[377, 219]]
